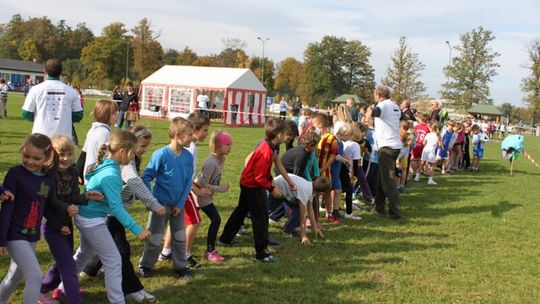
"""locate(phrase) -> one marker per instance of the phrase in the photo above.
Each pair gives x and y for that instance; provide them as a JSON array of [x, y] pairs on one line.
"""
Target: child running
[[171, 169], [61, 240], [210, 177], [104, 176], [255, 179], [479, 140], [33, 186]]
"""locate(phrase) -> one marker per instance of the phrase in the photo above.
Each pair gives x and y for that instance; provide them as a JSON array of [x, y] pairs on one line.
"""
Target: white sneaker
[[431, 182], [357, 202], [141, 296], [417, 178], [352, 217]]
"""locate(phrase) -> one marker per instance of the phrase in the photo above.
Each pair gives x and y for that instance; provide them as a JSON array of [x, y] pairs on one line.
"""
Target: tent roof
[[343, 98], [205, 77], [486, 109]]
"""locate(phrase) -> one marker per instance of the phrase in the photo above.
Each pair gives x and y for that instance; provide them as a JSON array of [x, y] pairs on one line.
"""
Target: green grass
[[471, 239]]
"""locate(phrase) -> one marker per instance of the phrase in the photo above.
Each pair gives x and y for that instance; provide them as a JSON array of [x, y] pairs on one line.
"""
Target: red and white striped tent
[[236, 94]]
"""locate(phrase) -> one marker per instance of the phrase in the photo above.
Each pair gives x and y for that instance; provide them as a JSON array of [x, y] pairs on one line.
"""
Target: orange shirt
[[327, 147]]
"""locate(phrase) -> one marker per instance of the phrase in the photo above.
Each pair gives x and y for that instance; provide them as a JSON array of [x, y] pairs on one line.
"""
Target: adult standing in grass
[[388, 143], [52, 105], [4, 89], [130, 101]]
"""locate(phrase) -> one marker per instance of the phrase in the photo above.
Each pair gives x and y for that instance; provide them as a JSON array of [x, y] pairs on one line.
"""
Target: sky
[[292, 24]]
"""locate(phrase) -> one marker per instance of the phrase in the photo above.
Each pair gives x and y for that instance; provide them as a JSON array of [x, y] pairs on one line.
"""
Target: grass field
[[471, 239]]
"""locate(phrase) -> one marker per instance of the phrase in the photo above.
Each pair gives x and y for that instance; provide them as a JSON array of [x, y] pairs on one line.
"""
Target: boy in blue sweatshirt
[[171, 169]]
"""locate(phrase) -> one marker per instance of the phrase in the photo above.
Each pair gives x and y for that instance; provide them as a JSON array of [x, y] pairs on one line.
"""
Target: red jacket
[[257, 171]]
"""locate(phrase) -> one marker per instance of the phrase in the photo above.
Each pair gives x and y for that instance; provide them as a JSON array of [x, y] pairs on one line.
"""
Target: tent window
[[153, 97], [180, 100]]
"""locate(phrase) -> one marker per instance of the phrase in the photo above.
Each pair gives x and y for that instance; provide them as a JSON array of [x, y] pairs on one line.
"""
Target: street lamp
[[127, 61], [263, 42], [449, 59]]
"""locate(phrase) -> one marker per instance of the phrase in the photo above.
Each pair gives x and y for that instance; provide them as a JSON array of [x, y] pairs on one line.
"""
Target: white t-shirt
[[202, 101], [387, 125], [432, 140], [97, 136], [283, 106], [52, 103], [304, 189], [351, 150], [193, 150]]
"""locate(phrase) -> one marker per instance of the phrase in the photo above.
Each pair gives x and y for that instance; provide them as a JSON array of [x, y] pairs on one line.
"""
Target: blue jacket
[[172, 174], [106, 179]]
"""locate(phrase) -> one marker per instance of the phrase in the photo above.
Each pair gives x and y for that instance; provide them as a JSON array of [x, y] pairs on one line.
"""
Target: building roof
[[205, 77], [486, 109], [20, 65], [343, 99]]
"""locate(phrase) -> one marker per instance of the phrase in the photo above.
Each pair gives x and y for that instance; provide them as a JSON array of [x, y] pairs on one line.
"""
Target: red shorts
[[417, 151], [191, 212]]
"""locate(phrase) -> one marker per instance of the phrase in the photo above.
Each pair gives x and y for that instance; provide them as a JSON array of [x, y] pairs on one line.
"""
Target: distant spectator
[[52, 105], [130, 101], [297, 104], [283, 108], [4, 89], [203, 103], [407, 111], [353, 109], [27, 86], [117, 95], [435, 109]]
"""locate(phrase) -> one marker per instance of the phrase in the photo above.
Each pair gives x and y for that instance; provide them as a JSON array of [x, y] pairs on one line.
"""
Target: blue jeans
[[121, 119], [279, 207]]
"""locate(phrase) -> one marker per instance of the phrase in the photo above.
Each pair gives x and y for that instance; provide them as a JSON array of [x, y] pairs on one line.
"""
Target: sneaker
[[45, 298], [164, 258], [222, 243], [242, 232], [145, 272], [431, 182], [192, 263], [272, 222], [58, 294], [268, 259], [293, 234], [184, 273], [417, 178], [272, 242], [352, 217], [213, 257], [141, 296], [357, 203], [332, 219]]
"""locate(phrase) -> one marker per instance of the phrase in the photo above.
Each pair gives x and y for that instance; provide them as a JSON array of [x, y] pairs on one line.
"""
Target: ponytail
[[101, 154]]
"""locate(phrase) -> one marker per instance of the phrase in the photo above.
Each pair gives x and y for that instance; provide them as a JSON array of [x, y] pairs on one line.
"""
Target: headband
[[224, 138], [142, 132]]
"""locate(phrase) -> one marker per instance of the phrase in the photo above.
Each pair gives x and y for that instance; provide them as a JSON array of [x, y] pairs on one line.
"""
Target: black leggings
[[346, 186], [215, 222]]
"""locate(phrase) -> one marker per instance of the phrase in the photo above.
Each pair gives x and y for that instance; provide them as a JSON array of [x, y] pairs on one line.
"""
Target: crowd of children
[[334, 158]]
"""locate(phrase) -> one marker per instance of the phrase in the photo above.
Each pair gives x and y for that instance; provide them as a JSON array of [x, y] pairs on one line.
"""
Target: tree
[[187, 56], [530, 85], [254, 63], [471, 71], [360, 78], [506, 109], [289, 77], [104, 57], [29, 51], [403, 75], [336, 66], [147, 51], [233, 54], [76, 40]]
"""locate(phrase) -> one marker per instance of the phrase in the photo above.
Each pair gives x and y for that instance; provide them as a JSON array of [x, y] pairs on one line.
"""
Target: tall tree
[[289, 78], [336, 66], [104, 57], [254, 63], [471, 71], [233, 54], [147, 51], [403, 74], [76, 39], [359, 74], [530, 85]]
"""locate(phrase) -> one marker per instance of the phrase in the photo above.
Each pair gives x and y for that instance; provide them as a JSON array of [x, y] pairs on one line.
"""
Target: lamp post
[[263, 43], [127, 60], [449, 59]]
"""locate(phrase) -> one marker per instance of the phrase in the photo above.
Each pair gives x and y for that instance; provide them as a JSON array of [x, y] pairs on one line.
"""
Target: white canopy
[[205, 77]]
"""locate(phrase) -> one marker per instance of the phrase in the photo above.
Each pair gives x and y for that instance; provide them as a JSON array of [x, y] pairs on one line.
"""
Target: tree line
[[329, 68]]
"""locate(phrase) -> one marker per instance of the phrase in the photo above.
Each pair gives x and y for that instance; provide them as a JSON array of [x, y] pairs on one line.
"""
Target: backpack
[[443, 116]]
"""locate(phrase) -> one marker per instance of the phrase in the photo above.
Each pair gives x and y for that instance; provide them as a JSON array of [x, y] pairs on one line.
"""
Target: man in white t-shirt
[[388, 144], [202, 102], [298, 203], [52, 105]]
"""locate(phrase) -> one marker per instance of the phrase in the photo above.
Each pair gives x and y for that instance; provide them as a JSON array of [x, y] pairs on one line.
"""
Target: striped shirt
[[327, 147]]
